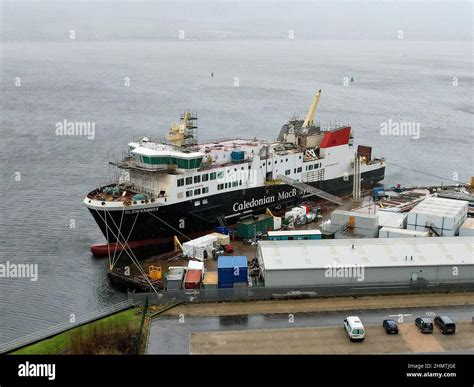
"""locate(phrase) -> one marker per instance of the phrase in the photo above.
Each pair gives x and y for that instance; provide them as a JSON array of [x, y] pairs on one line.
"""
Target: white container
[[363, 224], [222, 239], [391, 219], [195, 265], [200, 248], [447, 215], [276, 223], [391, 232]]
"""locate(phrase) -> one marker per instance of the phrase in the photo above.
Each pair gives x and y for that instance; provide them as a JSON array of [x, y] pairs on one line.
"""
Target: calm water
[[84, 81]]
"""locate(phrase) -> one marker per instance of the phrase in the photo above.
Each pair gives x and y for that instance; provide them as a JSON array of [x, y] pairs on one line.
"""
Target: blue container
[[224, 230], [231, 269], [237, 156], [225, 285]]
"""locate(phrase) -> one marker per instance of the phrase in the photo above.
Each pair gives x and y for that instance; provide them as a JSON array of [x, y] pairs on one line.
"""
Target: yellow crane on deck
[[308, 122]]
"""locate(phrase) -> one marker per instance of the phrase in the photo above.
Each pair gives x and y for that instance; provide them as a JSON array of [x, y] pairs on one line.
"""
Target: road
[[170, 335]]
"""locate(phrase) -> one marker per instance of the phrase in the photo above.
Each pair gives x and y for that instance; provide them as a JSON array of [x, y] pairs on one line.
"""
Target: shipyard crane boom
[[312, 110]]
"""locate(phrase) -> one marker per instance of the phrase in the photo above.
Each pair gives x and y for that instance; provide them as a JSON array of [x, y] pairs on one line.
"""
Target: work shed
[[366, 261]]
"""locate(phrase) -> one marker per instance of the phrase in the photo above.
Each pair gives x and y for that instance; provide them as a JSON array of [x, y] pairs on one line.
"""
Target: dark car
[[424, 324], [445, 324], [390, 326]]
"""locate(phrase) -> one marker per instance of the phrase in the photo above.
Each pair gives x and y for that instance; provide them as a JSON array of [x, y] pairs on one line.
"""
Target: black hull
[[187, 219]]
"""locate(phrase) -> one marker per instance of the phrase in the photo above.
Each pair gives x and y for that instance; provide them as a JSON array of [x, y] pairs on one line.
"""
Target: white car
[[354, 328]]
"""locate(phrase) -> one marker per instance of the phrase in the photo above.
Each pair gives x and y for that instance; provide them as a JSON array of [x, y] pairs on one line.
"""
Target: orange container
[[193, 279]]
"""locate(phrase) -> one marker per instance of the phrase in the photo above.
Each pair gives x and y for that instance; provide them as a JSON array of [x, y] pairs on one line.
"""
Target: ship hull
[[199, 216]]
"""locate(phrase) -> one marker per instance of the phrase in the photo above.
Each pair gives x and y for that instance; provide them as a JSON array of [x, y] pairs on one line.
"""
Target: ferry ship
[[182, 188]]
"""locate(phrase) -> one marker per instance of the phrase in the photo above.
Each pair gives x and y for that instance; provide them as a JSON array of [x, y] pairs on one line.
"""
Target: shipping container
[[391, 232], [392, 219], [196, 265], [200, 248], [210, 280], [192, 279], [248, 228], [222, 239], [358, 223], [294, 235], [443, 215], [225, 285], [174, 277], [231, 269]]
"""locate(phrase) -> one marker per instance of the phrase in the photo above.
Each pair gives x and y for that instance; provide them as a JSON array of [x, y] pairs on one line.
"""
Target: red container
[[228, 248], [192, 279]]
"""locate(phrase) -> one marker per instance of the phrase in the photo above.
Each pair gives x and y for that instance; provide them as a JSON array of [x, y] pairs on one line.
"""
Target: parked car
[[390, 326], [354, 328], [424, 324], [445, 324]]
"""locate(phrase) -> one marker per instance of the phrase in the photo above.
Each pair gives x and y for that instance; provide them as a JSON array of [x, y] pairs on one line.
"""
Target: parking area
[[307, 332], [331, 340]]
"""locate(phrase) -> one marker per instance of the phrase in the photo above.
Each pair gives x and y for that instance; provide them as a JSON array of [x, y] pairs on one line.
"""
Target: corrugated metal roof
[[440, 207], [391, 219], [373, 252]]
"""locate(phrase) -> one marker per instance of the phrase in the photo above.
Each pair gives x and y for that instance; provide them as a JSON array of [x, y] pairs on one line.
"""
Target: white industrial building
[[444, 216], [340, 261]]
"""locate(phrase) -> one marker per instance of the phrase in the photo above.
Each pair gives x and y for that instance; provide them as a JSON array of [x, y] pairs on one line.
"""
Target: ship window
[[287, 172], [281, 160], [286, 160], [220, 186], [300, 157], [189, 180], [213, 176], [242, 168], [300, 169], [240, 182], [264, 164], [189, 193], [180, 182], [197, 203], [197, 179], [294, 170], [220, 174], [310, 167], [204, 201], [205, 190], [197, 191], [235, 184], [205, 177], [227, 185]]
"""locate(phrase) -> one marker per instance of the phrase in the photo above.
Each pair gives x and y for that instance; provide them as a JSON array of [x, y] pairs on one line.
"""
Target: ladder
[[308, 188], [435, 229]]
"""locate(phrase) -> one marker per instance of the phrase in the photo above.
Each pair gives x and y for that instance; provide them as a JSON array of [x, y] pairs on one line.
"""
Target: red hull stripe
[[336, 137]]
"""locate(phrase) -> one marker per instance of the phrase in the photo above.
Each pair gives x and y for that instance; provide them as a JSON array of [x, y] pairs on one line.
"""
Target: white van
[[354, 328]]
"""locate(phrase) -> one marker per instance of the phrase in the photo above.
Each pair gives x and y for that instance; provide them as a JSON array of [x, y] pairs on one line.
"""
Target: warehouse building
[[366, 261]]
